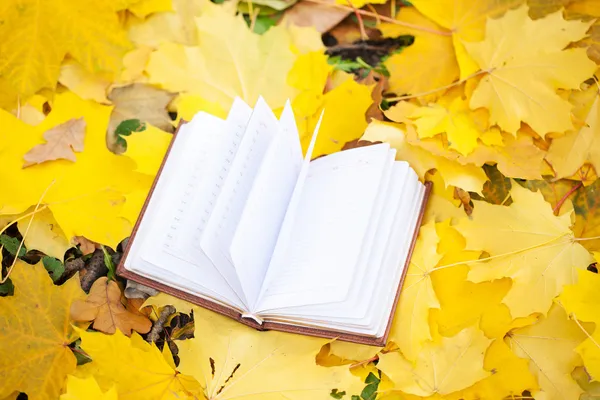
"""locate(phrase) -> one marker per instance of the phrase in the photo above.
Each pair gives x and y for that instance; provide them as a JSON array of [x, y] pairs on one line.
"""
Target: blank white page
[[333, 215], [222, 224], [268, 200]]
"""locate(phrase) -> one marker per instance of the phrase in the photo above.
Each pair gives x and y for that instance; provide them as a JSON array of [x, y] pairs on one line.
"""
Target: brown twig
[[383, 18], [361, 25], [558, 205], [374, 358]]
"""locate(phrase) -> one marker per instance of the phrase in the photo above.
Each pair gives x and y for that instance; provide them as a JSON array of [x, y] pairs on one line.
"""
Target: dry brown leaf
[[61, 143], [85, 245], [105, 306], [322, 16]]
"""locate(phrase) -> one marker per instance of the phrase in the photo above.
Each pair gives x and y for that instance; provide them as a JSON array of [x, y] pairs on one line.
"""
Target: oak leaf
[[526, 243], [61, 143], [549, 345], [524, 65], [410, 329], [36, 332], [235, 361], [582, 302], [106, 306], [86, 389], [454, 364], [429, 63], [135, 367], [90, 33]]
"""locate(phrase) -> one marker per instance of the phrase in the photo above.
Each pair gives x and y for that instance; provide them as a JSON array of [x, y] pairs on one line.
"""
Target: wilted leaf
[[105, 305], [36, 331], [62, 141]]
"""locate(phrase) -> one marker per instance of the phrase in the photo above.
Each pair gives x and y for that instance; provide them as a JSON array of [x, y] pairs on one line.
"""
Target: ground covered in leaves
[[494, 101]]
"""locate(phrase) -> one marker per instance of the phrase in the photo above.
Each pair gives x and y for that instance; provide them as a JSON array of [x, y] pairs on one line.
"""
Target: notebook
[[241, 221]]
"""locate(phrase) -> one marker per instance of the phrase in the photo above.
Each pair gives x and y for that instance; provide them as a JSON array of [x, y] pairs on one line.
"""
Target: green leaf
[[370, 391], [126, 128], [53, 266], [109, 264], [337, 395], [7, 288], [355, 397], [11, 245], [80, 355], [497, 189]]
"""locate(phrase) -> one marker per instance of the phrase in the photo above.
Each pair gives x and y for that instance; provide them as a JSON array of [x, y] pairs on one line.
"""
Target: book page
[[259, 225], [222, 223], [337, 201]]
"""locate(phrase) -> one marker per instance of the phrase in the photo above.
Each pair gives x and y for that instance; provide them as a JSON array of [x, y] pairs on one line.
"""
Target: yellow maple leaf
[[549, 345], [84, 83], [36, 332], [44, 234], [427, 64], [569, 152], [86, 389], [92, 207], [229, 61], [90, 33], [234, 361], [410, 327], [105, 306], [524, 63], [135, 367], [441, 368], [147, 148], [466, 21], [582, 302], [143, 8], [467, 177], [528, 244]]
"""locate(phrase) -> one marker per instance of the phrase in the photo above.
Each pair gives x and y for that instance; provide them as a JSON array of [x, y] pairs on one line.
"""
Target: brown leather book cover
[[267, 325]]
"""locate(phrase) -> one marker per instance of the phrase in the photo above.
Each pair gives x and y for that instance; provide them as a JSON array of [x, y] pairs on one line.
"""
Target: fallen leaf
[[135, 367], [85, 84], [526, 243], [230, 61], [61, 143], [360, 3], [147, 148], [143, 8], [36, 332], [428, 64], [467, 177], [549, 345], [86, 389], [454, 364], [44, 234], [591, 388], [582, 302], [524, 64], [105, 305], [163, 299], [322, 17], [90, 33], [410, 327], [236, 361], [85, 245], [586, 203]]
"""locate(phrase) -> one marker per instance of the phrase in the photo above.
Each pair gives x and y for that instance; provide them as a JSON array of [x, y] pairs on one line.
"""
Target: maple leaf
[[467, 177], [236, 361], [86, 389], [569, 152], [410, 329], [524, 70], [92, 207], [105, 306], [62, 141], [229, 61], [453, 364], [135, 367], [528, 244], [144, 8], [582, 302], [549, 345], [84, 83], [89, 32], [466, 20], [427, 64], [44, 234], [36, 332], [147, 148], [163, 299]]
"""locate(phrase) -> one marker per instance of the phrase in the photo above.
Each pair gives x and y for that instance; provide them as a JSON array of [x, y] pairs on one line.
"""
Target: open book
[[241, 222]]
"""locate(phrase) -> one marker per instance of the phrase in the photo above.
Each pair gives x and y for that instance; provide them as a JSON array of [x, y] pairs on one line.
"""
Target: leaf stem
[[361, 25], [384, 18], [558, 205]]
